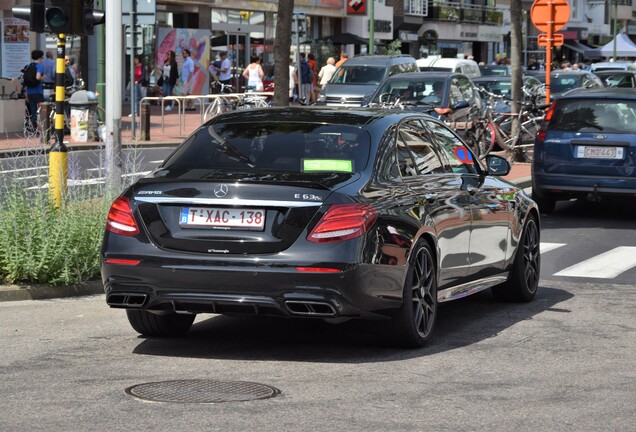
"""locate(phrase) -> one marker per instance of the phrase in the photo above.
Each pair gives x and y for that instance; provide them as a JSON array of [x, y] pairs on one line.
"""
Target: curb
[[45, 292]]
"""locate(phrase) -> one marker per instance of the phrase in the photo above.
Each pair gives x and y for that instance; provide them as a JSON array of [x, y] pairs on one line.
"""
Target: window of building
[[416, 7]]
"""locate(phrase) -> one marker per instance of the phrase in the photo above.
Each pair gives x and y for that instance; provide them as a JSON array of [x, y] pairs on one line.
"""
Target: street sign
[[144, 12], [557, 39], [138, 42], [540, 14]]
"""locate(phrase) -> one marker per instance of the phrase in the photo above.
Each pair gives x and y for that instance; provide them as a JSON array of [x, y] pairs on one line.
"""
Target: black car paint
[[442, 209]]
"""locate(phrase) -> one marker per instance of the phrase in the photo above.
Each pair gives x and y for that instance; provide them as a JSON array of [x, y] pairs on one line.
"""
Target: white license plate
[[222, 217], [594, 152]]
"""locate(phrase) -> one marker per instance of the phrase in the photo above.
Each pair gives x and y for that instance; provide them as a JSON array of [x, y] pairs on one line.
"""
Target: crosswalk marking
[[604, 266], [547, 247]]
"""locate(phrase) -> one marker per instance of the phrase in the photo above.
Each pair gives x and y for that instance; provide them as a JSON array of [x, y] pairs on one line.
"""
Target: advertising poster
[[198, 42], [15, 46]]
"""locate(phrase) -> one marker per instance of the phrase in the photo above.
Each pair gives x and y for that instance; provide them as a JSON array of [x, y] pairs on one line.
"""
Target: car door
[[490, 210], [439, 198]]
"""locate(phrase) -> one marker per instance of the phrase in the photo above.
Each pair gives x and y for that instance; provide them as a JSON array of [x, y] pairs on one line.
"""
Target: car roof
[[358, 117], [615, 72], [424, 75], [379, 60], [600, 93]]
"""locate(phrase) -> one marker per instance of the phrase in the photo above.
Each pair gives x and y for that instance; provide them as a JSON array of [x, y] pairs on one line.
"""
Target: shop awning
[[576, 46]]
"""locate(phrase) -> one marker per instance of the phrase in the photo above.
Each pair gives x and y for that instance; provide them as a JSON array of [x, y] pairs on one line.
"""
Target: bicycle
[[222, 104], [497, 131]]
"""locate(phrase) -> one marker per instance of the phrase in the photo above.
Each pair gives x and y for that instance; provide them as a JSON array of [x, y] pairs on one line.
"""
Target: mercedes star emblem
[[220, 190]]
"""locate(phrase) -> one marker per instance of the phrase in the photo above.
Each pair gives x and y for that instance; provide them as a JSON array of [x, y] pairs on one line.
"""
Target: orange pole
[[548, 50]]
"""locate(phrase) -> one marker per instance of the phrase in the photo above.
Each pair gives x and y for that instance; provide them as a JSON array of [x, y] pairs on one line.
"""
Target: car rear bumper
[[584, 184], [361, 291]]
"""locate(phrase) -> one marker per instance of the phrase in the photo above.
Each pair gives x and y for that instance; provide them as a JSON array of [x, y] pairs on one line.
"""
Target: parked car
[[586, 148], [564, 81], [618, 78], [359, 77], [451, 97], [467, 67], [497, 70], [605, 66], [318, 213]]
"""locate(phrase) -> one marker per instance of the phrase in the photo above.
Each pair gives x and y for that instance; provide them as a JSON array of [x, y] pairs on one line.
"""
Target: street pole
[[113, 95], [371, 26], [58, 156], [614, 32]]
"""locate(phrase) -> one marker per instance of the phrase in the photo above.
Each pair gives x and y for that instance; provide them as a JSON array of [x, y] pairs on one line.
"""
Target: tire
[[545, 201], [413, 324], [524, 278], [169, 325]]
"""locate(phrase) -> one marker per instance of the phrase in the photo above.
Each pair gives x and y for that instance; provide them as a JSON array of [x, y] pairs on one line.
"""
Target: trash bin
[[83, 119]]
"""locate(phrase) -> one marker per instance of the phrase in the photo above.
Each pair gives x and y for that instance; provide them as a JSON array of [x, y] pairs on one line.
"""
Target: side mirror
[[497, 165]]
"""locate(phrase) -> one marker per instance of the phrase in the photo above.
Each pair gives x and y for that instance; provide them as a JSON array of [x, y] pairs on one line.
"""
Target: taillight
[[120, 218], [343, 222], [546, 121]]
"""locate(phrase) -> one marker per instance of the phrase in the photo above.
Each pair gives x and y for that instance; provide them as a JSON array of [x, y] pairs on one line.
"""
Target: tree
[[515, 60], [282, 48]]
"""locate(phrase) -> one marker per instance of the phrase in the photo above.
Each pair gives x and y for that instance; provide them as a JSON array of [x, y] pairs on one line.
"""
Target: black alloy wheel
[[414, 323], [526, 270]]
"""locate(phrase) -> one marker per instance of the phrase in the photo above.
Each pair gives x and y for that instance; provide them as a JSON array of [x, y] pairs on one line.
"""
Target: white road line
[[23, 169], [604, 266], [547, 247], [85, 182]]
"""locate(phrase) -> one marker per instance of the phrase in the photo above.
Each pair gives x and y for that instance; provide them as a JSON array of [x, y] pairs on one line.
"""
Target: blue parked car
[[586, 147]]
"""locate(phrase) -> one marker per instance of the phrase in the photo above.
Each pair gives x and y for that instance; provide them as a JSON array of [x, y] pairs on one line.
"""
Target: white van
[[435, 63]]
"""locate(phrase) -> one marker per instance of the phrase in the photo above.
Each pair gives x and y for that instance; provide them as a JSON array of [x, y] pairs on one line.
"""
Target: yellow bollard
[[58, 173]]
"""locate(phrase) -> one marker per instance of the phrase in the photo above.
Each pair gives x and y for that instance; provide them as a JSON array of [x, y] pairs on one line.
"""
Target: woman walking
[[254, 75], [170, 77]]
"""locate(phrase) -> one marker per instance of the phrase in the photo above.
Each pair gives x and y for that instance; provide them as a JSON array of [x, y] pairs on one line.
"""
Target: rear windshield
[[427, 90], [501, 88], [358, 74], [587, 115], [305, 148], [561, 84]]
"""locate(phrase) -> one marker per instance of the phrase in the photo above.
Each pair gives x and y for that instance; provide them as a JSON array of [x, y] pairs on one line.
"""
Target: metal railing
[[203, 99]]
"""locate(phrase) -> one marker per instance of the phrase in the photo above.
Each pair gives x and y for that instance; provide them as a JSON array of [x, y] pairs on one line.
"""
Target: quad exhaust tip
[[310, 308], [129, 300]]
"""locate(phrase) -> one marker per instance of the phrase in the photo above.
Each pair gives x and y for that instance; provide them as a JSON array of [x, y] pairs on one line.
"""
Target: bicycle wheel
[[214, 109], [525, 143], [488, 140]]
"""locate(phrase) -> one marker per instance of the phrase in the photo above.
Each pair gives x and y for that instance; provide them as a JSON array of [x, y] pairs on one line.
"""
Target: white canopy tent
[[624, 48]]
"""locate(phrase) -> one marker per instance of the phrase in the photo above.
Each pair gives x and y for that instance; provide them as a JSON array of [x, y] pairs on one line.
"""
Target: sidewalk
[[170, 134]]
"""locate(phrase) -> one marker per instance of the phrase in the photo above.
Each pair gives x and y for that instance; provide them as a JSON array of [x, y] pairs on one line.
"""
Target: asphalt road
[[561, 363]]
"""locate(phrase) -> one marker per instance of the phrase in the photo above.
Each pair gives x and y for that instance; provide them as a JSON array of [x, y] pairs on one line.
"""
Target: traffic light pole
[[58, 156]]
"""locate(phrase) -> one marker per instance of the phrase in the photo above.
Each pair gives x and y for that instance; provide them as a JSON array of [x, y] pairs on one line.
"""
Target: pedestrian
[[34, 94], [533, 64], [326, 72], [311, 60], [138, 73], [48, 75], [343, 58], [293, 81], [305, 77], [254, 75], [187, 78], [225, 70], [69, 73], [170, 76]]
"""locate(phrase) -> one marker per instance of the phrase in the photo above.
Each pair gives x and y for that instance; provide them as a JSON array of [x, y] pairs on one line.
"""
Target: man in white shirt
[[225, 71], [187, 77]]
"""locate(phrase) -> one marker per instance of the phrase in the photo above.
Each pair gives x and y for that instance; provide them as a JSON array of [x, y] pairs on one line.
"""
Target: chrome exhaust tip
[[310, 308], [127, 300]]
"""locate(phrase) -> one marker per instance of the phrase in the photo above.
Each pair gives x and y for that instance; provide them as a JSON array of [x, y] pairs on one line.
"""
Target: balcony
[[466, 13]]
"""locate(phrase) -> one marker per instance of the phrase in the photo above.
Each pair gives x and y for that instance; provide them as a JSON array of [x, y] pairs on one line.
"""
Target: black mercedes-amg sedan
[[318, 213]]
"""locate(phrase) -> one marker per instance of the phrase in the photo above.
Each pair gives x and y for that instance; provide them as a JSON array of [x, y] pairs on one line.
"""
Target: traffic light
[[64, 16], [76, 17], [34, 14], [92, 17]]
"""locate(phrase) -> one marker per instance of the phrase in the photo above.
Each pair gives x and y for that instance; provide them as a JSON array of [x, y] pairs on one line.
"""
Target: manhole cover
[[201, 391]]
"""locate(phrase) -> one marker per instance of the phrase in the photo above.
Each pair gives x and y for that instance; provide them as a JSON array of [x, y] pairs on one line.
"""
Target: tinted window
[[455, 152], [416, 152], [358, 74], [594, 116], [292, 147], [426, 90]]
